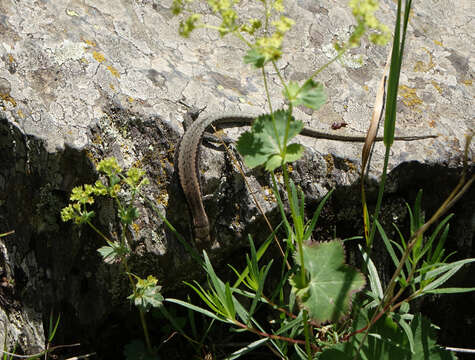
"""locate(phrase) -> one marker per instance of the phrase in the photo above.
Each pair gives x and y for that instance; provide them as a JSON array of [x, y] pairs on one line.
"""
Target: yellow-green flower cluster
[[363, 11], [254, 24], [81, 196], [271, 46], [109, 166], [136, 177], [268, 46]]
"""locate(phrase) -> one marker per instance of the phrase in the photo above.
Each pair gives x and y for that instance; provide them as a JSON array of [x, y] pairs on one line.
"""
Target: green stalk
[[380, 198], [306, 331], [141, 313]]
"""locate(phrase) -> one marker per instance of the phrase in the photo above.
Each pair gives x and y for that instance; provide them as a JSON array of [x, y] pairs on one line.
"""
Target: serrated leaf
[[147, 293], [114, 252], [332, 283], [263, 144], [425, 346], [388, 341], [294, 152], [106, 252], [311, 94], [255, 58]]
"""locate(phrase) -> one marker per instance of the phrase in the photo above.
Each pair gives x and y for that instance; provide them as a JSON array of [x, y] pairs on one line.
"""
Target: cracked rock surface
[[84, 80]]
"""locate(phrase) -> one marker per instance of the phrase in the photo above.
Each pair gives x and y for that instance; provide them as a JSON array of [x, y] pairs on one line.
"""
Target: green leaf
[[449, 290], [409, 335], [199, 310], [309, 229], [147, 293], [247, 349], [114, 252], [311, 94], [374, 281], [259, 253], [127, 215], [264, 143], [327, 297], [255, 58], [294, 152], [448, 269], [106, 252], [250, 146], [388, 341], [425, 346], [387, 243]]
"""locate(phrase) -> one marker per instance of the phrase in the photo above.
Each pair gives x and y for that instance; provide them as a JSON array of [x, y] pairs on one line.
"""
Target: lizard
[[187, 159]]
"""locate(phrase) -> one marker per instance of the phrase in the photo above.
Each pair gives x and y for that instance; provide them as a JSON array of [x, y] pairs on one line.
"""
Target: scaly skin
[[188, 160]]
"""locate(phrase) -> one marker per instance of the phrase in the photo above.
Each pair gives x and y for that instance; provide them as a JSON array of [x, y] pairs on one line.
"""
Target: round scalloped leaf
[[332, 283]]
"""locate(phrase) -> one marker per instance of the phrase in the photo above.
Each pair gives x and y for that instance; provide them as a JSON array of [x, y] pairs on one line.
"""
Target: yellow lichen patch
[[90, 42], [351, 165], [268, 194], [8, 98], [437, 87], [432, 123], [98, 56], [236, 221], [409, 96], [330, 162], [71, 12], [20, 114], [113, 71], [467, 82], [162, 198], [90, 155], [112, 86], [84, 61], [130, 99], [421, 67], [11, 59], [366, 88], [136, 228], [438, 43], [97, 139]]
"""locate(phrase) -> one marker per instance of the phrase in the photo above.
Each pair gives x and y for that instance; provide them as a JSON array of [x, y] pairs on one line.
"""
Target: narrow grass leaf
[[387, 243], [316, 214], [205, 297], [248, 348], [292, 324], [262, 249], [408, 331], [374, 280], [444, 268], [198, 309], [449, 290]]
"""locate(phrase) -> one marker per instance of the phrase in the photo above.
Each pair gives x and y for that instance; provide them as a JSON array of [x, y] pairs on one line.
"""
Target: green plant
[[145, 292], [322, 286]]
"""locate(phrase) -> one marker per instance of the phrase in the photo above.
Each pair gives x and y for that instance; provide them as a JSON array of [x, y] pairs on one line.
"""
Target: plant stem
[[141, 313], [306, 331], [369, 242]]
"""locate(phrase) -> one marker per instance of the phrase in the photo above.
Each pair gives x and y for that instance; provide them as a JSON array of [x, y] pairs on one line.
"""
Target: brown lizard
[[187, 159]]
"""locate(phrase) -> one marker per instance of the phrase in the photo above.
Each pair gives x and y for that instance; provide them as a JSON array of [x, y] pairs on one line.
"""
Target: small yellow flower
[[109, 167], [284, 24], [363, 11]]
